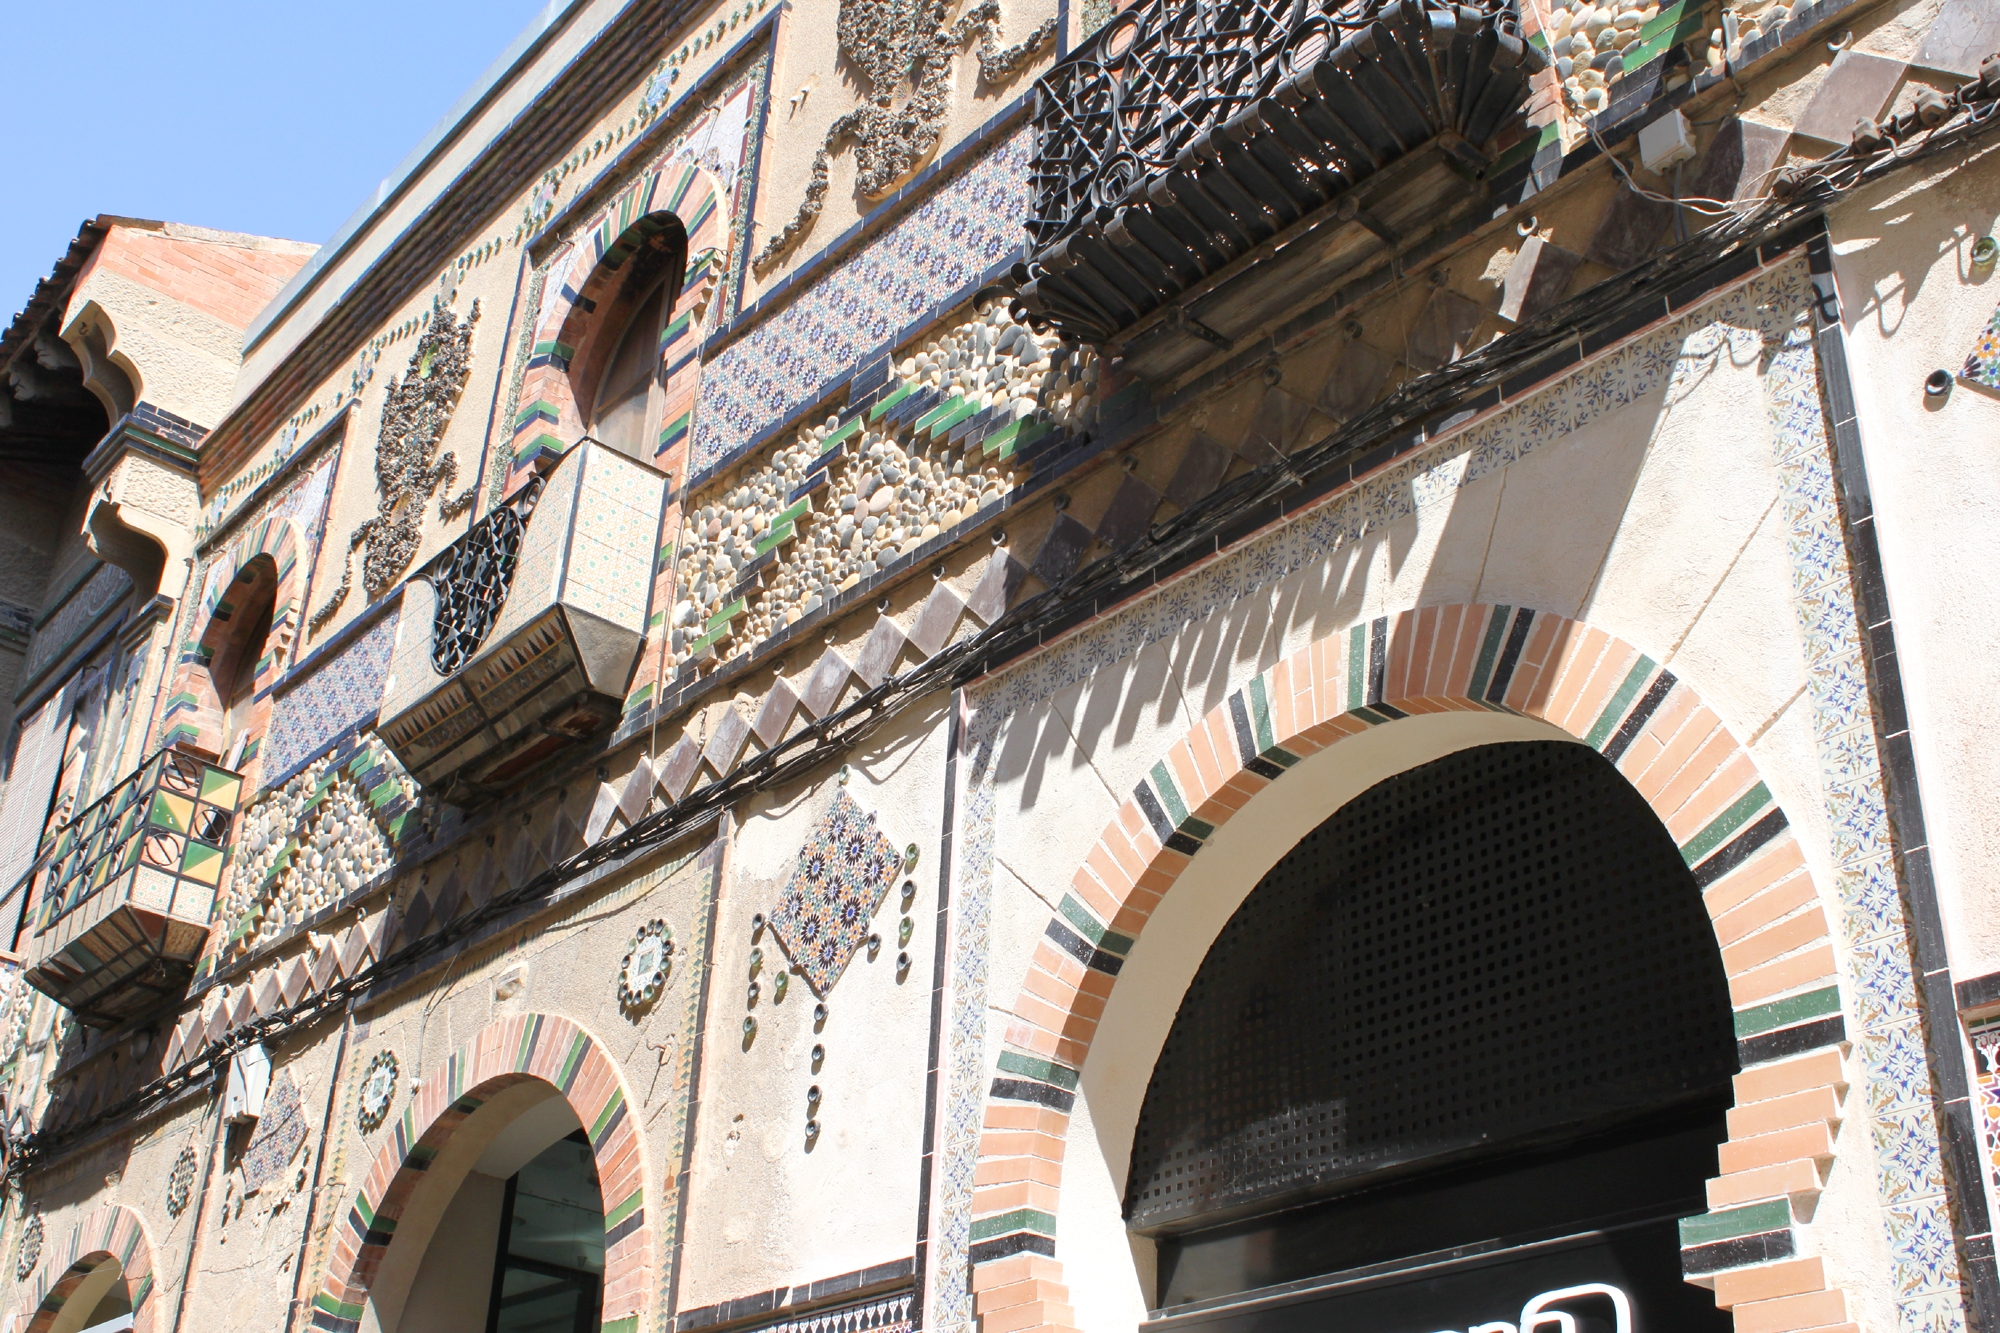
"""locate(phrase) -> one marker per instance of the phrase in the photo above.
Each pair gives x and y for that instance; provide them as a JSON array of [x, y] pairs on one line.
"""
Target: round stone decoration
[[644, 972], [180, 1183], [378, 1089], [31, 1246]]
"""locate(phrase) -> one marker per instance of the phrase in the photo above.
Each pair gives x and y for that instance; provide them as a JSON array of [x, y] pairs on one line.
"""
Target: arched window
[[624, 404], [233, 669], [1480, 1009]]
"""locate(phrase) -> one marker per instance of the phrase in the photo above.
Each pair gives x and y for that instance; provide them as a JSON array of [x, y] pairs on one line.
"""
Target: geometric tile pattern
[[1982, 365], [1901, 1110], [339, 693], [280, 1130], [943, 245], [110, 1232], [509, 1051], [1612, 696], [844, 871], [1660, 360]]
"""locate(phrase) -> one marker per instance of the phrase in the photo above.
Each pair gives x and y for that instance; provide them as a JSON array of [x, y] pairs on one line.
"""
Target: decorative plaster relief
[[890, 41], [408, 467], [31, 1246]]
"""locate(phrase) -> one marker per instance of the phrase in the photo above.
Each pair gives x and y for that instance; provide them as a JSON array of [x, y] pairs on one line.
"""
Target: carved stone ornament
[[180, 1182], [890, 41], [644, 972], [408, 467], [31, 1246], [378, 1090]]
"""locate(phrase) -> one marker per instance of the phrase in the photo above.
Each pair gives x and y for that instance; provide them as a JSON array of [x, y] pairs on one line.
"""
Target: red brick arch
[[1772, 931], [110, 1232], [540, 1047]]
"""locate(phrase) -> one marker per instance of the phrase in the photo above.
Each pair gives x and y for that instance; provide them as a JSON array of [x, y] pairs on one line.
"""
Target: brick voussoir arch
[[1772, 931], [512, 1050], [109, 1232], [193, 714]]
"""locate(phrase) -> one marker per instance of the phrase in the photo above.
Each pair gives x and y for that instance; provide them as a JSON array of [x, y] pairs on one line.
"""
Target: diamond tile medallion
[[843, 873], [1982, 366], [280, 1131]]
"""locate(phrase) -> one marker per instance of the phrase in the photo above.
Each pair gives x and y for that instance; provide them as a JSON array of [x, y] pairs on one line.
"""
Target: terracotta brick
[[1015, 1268], [1766, 909], [1813, 1141], [1537, 660], [1768, 867], [1797, 1075], [1794, 932], [1716, 750], [1766, 1182], [1696, 729], [1465, 654], [1007, 1170], [1790, 1313], [1796, 972], [1024, 1291], [1573, 670], [1418, 645], [1731, 782], [1006, 1198], [1028, 1315], [1795, 1277]]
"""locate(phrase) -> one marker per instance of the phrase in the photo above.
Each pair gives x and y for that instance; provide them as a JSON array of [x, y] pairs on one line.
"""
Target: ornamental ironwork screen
[[472, 576], [1489, 949]]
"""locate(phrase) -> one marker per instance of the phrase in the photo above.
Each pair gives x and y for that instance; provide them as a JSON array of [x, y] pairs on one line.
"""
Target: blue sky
[[258, 117]]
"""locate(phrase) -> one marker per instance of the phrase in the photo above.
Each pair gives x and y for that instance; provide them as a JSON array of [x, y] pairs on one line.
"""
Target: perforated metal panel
[[1477, 952]]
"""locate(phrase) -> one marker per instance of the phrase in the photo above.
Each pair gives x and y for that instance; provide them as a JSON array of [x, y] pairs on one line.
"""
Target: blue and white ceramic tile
[[343, 691], [932, 256]]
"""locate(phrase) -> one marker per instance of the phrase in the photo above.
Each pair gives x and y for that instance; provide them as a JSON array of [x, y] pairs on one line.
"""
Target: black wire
[[1257, 495]]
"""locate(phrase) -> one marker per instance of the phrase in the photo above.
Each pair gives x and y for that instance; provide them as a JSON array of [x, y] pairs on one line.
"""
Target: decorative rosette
[[643, 975], [378, 1090]]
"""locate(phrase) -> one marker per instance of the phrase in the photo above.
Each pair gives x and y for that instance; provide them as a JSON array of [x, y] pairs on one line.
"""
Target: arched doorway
[[100, 1303], [507, 1234], [1467, 1044]]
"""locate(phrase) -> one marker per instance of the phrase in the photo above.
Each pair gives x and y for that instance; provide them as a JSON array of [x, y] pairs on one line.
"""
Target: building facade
[[1021, 666]]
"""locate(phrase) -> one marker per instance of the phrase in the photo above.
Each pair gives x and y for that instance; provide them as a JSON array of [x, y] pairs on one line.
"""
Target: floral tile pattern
[[929, 258], [342, 692], [1764, 322], [1983, 365], [843, 873]]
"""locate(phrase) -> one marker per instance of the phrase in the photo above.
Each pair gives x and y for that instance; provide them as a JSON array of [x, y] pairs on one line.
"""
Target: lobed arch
[[1502, 671], [112, 1231], [268, 554], [505, 1054], [579, 307]]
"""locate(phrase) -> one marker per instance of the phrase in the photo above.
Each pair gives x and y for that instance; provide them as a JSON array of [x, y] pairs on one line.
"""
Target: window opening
[[549, 1274], [624, 399]]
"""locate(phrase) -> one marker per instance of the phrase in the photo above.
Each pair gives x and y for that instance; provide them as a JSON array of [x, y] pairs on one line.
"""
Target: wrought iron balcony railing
[[1189, 133], [130, 887], [518, 639]]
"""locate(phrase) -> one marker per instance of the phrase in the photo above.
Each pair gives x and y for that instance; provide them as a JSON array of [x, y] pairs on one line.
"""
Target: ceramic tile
[[339, 693]]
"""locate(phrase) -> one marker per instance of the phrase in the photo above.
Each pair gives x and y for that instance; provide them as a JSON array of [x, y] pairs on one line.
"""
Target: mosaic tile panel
[[280, 1131], [1982, 366], [928, 258], [844, 871], [339, 693], [1986, 1093], [1760, 320]]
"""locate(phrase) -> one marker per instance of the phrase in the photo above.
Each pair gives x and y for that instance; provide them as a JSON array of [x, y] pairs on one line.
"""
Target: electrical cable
[[1233, 510]]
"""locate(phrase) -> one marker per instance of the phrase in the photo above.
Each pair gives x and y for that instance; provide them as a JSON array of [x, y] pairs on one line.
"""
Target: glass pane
[[532, 1301], [557, 1216], [621, 401]]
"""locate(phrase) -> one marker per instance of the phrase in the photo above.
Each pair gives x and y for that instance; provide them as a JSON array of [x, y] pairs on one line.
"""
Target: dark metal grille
[[1496, 946], [472, 576], [1184, 134]]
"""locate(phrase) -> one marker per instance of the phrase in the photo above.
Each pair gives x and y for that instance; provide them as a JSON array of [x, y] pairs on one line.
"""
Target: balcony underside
[[1201, 171]]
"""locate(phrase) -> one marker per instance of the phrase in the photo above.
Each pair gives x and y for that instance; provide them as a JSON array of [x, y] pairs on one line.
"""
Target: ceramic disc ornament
[[644, 972], [378, 1089]]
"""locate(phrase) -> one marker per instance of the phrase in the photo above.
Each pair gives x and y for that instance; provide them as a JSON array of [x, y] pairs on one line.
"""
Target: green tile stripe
[[710, 639], [337, 1308], [1088, 926], [625, 1209], [367, 1211], [1725, 824], [578, 1044], [1045, 1071], [834, 440], [1489, 650], [902, 391], [145, 1290], [1357, 667], [1731, 1223], [777, 536], [1021, 438], [1260, 715], [611, 1105], [938, 413], [1021, 1219], [629, 1324], [1169, 794], [950, 419], [1783, 1013], [543, 443], [728, 613], [1614, 712]]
